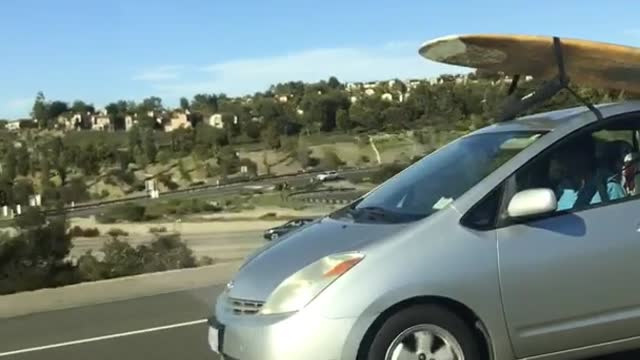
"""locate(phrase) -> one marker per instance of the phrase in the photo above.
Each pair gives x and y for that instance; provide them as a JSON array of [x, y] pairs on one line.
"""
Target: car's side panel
[[569, 281], [436, 257]]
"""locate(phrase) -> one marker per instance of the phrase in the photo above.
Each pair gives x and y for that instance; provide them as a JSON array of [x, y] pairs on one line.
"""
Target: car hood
[[268, 267]]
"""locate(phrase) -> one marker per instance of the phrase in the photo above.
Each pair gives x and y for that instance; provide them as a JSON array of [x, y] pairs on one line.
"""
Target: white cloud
[[244, 76], [160, 73]]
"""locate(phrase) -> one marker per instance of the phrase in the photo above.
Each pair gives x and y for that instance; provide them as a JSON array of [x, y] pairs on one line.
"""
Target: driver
[[580, 181]]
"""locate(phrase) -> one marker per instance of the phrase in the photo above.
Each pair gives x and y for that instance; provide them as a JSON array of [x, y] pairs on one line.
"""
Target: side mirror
[[532, 202]]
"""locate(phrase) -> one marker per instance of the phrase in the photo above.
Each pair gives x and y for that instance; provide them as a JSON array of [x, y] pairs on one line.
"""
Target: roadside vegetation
[[37, 255], [318, 126]]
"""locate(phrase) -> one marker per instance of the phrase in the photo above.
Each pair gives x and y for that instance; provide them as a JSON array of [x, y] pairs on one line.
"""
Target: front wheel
[[424, 332], [274, 236]]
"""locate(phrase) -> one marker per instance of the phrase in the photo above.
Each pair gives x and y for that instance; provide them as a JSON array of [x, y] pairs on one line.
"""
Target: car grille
[[244, 307]]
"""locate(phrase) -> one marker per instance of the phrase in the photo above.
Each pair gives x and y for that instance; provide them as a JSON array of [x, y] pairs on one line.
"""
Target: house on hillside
[[283, 98], [129, 121], [387, 97], [369, 92], [101, 122], [13, 125], [217, 120], [178, 120]]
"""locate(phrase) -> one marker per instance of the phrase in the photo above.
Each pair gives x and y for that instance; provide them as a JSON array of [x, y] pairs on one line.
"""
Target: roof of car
[[548, 121]]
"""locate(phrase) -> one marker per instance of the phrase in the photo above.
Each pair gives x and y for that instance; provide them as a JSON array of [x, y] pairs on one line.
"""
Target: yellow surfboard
[[587, 63]]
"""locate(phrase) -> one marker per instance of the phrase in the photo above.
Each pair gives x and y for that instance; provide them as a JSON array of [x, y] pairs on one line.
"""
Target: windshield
[[440, 178]]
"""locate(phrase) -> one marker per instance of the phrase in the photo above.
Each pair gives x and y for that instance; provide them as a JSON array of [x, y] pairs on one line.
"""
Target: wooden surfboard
[[587, 63]]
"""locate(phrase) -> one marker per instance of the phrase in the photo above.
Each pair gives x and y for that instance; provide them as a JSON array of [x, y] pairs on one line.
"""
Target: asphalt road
[[162, 327], [36, 336]]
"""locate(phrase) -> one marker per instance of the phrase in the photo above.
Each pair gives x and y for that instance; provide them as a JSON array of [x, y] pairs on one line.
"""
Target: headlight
[[300, 288]]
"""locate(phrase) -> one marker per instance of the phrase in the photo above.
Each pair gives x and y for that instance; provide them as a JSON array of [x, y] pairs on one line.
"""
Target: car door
[[568, 279]]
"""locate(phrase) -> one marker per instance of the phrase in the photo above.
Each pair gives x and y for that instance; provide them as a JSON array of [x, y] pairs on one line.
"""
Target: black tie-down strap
[[547, 90]]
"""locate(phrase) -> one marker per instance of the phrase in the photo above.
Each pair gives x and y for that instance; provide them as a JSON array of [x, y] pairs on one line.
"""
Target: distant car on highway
[[328, 175], [278, 231]]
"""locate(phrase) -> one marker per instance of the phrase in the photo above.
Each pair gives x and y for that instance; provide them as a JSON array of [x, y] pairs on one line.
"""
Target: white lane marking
[[105, 337]]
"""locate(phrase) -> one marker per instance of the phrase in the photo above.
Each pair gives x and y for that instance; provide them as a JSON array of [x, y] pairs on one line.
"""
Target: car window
[[437, 180], [583, 171]]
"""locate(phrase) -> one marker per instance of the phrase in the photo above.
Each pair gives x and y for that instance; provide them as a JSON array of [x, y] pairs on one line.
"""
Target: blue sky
[[105, 50]]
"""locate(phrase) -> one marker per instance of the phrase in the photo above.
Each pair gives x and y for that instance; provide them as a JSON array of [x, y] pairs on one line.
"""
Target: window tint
[[483, 215], [583, 171]]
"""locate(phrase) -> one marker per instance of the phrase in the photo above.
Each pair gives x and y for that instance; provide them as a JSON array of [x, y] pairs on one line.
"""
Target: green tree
[[343, 122], [184, 103], [228, 160], [40, 110], [80, 106], [75, 191], [397, 117], [152, 103], [271, 137], [22, 161], [163, 157], [88, 160], [334, 83], [205, 104], [331, 160], [10, 164], [22, 189], [56, 108], [134, 139], [252, 129], [31, 218], [150, 147]]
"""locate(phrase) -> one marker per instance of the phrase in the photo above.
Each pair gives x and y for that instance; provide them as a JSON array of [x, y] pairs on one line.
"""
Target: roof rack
[[514, 105]]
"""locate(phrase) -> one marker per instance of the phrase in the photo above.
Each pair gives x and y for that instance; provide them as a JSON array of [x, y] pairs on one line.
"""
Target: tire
[[424, 318], [274, 237]]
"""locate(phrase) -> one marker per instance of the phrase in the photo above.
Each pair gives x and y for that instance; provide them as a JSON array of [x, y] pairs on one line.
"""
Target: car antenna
[[548, 89]]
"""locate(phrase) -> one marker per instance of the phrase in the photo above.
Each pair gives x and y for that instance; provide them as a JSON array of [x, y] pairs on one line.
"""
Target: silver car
[[518, 241]]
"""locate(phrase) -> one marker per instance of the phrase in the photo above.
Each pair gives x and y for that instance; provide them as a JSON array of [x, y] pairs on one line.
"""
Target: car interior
[[615, 152]]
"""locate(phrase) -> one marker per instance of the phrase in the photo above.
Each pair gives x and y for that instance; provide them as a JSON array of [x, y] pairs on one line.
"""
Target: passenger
[[581, 181]]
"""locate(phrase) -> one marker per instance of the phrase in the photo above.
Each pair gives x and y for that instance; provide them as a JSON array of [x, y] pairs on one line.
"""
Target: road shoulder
[[105, 291]]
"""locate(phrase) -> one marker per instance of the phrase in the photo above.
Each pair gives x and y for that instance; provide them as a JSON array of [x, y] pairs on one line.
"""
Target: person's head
[[574, 161]]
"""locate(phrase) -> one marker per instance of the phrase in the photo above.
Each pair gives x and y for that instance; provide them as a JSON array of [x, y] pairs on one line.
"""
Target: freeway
[[169, 326], [161, 327], [210, 191]]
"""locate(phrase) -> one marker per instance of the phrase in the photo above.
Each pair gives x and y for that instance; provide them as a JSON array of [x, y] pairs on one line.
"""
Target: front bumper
[[301, 335]]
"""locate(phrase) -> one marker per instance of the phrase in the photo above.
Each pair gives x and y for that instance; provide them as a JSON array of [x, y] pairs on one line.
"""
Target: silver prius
[[518, 241]]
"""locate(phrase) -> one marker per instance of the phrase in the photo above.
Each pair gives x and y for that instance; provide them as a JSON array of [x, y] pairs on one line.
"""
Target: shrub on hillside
[[78, 231], [252, 167], [164, 156], [331, 160], [166, 180], [116, 233], [125, 212], [387, 171], [157, 229]]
